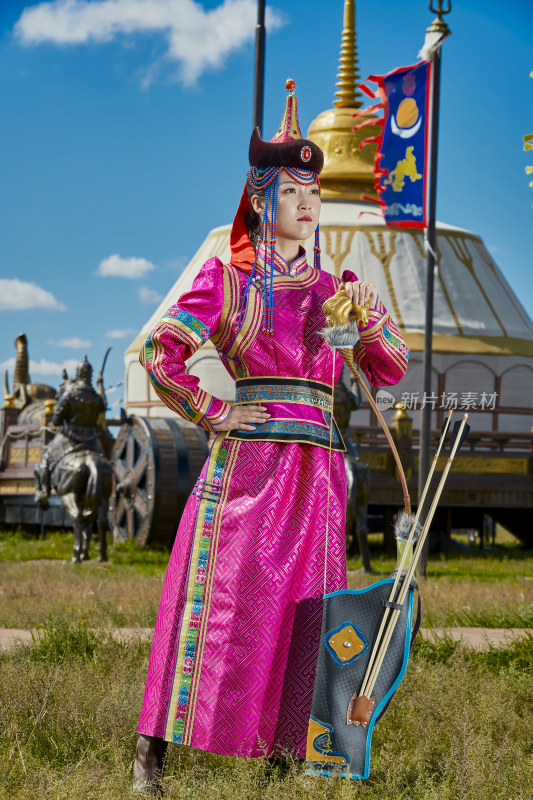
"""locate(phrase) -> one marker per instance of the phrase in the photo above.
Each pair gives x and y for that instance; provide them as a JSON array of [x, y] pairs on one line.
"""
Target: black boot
[[149, 765]]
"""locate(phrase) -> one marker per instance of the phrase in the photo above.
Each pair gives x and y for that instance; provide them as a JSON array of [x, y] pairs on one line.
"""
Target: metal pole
[[425, 414], [259, 70]]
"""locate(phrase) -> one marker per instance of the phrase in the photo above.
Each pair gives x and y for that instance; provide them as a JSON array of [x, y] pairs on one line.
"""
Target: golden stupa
[[348, 172]]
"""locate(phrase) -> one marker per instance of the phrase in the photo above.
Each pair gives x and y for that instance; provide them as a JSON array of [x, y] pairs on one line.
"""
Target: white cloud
[[197, 39], [121, 333], [18, 295], [118, 267], [149, 296], [44, 367], [74, 342]]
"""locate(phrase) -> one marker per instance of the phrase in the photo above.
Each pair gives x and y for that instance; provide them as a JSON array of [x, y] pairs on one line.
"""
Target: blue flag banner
[[401, 167]]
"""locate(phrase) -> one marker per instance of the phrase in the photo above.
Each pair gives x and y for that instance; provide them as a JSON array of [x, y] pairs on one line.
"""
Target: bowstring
[[329, 470]]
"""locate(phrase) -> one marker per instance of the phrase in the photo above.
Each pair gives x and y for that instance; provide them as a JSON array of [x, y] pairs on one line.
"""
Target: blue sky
[[125, 128]]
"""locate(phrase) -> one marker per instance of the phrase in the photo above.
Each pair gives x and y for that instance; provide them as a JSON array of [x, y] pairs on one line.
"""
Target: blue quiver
[[350, 623]]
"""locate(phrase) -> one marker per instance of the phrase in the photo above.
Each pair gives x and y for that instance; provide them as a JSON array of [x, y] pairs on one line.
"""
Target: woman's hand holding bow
[[360, 292]]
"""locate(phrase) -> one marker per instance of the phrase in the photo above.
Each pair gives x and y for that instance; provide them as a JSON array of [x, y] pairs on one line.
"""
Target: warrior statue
[[347, 398], [74, 463]]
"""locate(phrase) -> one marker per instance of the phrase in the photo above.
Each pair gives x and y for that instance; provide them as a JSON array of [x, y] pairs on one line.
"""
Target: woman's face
[[298, 208]]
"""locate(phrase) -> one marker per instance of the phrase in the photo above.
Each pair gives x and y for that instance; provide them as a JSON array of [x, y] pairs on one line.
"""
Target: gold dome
[[348, 172]]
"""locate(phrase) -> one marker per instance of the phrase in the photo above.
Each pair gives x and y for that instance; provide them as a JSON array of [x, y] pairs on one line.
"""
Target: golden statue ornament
[[340, 310]]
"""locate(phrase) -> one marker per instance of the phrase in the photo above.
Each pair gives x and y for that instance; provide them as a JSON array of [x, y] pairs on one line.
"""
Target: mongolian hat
[[303, 160], [287, 148]]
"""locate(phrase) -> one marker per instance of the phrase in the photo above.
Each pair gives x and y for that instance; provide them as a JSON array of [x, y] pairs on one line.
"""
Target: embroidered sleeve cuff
[[217, 412], [382, 353], [376, 318]]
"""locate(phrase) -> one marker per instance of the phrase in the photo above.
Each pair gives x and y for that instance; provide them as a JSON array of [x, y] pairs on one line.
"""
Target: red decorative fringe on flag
[[401, 162]]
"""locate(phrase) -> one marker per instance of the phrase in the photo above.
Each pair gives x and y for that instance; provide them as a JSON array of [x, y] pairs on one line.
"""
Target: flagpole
[[439, 31], [259, 70]]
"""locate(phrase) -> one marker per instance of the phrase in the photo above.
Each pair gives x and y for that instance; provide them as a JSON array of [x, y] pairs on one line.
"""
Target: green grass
[[493, 589], [504, 616], [517, 657], [508, 559], [62, 639], [458, 727], [19, 545], [38, 578]]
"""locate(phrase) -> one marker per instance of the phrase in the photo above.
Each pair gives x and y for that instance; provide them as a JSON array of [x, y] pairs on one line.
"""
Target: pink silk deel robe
[[234, 652]]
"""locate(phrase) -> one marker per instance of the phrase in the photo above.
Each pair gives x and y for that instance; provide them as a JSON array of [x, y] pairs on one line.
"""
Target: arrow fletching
[[455, 433]]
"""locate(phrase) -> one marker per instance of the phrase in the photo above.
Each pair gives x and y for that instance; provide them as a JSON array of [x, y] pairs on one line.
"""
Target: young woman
[[235, 645]]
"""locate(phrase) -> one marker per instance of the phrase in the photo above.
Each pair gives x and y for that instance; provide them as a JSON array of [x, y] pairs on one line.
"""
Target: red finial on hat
[[289, 130]]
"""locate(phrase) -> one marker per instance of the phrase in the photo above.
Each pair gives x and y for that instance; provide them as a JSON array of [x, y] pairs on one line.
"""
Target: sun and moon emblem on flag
[[400, 164]]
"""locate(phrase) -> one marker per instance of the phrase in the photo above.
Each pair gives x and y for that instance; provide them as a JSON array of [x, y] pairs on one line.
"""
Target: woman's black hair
[[253, 221]]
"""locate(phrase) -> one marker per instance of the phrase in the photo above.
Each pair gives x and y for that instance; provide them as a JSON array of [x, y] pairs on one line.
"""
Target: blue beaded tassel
[[268, 287], [316, 249]]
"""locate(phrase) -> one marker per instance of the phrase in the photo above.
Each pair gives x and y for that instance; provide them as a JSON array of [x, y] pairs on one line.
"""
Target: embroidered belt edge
[[287, 382], [337, 444]]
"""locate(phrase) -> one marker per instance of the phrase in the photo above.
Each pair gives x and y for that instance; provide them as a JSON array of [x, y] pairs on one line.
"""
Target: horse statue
[[74, 462]]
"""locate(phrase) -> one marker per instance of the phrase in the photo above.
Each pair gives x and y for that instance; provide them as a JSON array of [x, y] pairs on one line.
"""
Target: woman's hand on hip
[[245, 418], [361, 292]]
